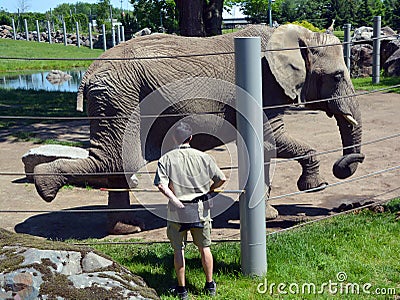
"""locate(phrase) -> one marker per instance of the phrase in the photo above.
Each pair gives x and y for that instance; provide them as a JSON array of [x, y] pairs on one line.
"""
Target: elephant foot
[[47, 186], [270, 212], [315, 183], [120, 228]]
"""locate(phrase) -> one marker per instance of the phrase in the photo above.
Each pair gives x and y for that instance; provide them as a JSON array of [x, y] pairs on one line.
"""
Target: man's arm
[[164, 189], [217, 184]]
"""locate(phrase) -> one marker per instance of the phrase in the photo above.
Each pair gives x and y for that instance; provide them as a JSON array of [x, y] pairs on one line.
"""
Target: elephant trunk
[[350, 128], [50, 177]]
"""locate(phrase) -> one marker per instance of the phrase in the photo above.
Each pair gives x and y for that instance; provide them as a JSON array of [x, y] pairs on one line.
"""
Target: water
[[38, 81]]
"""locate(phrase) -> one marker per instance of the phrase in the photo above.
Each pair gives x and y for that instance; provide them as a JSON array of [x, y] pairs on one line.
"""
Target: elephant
[[311, 68]]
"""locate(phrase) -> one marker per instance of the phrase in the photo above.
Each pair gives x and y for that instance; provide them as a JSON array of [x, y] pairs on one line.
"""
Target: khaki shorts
[[201, 236]]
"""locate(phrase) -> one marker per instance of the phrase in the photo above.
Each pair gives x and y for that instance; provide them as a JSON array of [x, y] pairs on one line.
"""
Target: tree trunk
[[191, 17], [213, 17]]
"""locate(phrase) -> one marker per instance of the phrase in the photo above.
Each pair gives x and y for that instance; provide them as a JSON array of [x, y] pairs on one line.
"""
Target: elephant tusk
[[351, 119]]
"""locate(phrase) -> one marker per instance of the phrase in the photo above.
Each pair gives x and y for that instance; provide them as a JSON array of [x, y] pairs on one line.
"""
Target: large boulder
[[361, 60], [49, 153], [33, 268], [57, 77], [392, 65]]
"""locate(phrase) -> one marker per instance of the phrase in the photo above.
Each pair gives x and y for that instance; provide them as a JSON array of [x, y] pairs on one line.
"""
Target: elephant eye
[[338, 76]]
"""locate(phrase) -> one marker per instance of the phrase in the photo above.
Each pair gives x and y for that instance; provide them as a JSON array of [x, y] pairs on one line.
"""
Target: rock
[[92, 262], [57, 77], [392, 65], [365, 33], [388, 48], [29, 270], [361, 60], [49, 153], [144, 31]]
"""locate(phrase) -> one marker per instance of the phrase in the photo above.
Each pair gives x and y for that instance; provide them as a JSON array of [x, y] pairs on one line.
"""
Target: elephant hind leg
[[120, 222]]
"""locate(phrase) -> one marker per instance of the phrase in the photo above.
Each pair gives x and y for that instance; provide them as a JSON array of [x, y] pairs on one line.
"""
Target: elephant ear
[[288, 66]]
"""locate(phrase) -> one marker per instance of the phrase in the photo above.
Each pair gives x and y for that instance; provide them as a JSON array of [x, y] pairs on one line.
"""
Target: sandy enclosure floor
[[380, 118]]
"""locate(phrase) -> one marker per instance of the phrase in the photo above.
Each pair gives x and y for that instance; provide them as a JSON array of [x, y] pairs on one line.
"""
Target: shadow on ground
[[75, 224]]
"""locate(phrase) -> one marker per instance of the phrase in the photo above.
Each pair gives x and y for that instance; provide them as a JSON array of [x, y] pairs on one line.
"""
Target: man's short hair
[[182, 132]]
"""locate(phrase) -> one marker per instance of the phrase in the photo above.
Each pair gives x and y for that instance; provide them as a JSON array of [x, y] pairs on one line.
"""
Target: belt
[[202, 198]]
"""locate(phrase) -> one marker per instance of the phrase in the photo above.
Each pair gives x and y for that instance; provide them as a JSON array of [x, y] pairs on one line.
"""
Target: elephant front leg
[[120, 222], [288, 147]]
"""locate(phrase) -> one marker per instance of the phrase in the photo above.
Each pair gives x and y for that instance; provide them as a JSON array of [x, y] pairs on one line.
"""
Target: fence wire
[[188, 55], [286, 160], [271, 198], [168, 115], [231, 238]]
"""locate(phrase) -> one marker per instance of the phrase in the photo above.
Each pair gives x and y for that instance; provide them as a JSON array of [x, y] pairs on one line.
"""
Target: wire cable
[[345, 181], [198, 113], [185, 55], [280, 231], [271, 198], [222, 168]]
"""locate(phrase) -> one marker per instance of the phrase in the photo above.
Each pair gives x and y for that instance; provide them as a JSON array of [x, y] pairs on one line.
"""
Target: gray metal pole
[[113, 35], [14, 30], [118, 34], [78, 38], [65, 33], [251, 155], [347, 46], [49, 31], [26, 30], [123, 33], [376, 64], [112, 27], [270, 13], [90, 36], [38, 31], [104, 37]]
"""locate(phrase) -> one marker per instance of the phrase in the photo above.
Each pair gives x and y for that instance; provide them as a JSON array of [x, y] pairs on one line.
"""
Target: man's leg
[[179, 264], [207, 262]]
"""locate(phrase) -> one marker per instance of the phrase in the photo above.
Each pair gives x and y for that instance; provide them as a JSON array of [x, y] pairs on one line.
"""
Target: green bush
[[307, 25]]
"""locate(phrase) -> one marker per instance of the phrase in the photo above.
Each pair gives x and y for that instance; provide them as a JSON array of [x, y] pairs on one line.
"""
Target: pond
[[38, 81]]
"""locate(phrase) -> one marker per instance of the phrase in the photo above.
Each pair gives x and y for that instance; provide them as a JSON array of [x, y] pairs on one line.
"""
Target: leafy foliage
[[159, 16], [307, 25], [322, 12]]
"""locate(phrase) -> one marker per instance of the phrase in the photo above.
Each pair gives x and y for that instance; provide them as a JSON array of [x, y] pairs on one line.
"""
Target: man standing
[[184, 175]]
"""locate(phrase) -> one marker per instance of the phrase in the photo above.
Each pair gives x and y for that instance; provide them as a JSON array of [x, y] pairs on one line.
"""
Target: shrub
[[307, 25]]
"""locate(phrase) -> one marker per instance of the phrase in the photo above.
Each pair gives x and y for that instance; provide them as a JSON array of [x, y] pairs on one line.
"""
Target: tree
[[200, 17], [103, 11], [23, 5], [364, 15], [396, 16], [154, 14]]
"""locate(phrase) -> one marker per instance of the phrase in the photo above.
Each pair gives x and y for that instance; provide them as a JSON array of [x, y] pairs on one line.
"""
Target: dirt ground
[[380, 118]]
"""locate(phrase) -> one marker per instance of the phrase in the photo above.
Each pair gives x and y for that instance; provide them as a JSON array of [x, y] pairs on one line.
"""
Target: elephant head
[[310, 69]]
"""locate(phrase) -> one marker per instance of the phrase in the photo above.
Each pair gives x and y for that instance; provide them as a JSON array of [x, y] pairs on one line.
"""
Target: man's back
[[190, 171]]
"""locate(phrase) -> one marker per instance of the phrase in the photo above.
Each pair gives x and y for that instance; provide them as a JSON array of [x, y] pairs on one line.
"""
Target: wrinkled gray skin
[[116, 87]]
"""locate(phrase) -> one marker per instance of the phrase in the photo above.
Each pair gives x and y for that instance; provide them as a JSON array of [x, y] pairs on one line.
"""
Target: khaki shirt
[[188, 173]]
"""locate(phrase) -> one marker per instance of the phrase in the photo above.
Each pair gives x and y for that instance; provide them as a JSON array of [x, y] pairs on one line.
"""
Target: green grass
[[364, 245], [366, 84], [36, 103], [11, 48]]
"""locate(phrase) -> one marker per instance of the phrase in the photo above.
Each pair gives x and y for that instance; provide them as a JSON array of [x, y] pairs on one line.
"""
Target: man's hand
[[170, 195], [216, 185]]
